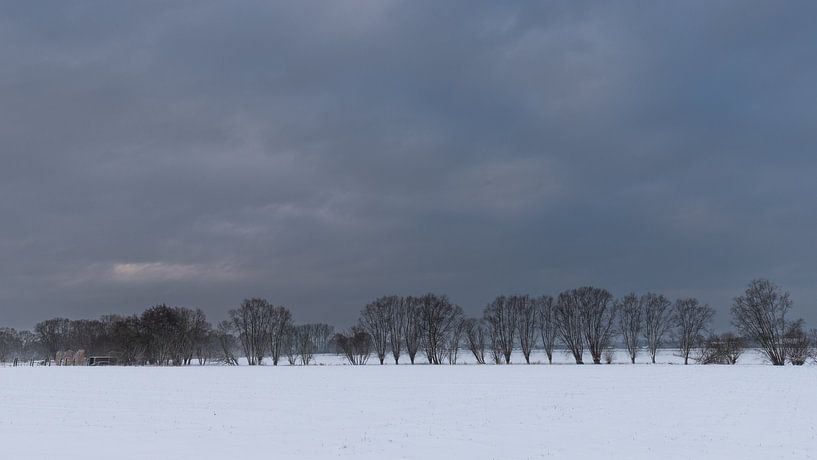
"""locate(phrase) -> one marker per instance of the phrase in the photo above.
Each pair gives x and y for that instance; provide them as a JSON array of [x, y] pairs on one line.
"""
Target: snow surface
[[426, 412]]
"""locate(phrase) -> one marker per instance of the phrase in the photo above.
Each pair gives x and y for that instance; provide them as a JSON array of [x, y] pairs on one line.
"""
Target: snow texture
[[419, 412]]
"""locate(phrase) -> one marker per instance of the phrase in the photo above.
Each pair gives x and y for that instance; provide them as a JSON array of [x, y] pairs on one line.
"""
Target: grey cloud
[[321, 154]]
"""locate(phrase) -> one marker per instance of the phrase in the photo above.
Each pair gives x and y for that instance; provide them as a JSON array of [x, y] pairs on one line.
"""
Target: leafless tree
[[9, 343], [495, 343], [414, 330], [290, 344], [438, 318], [657, 311], [87, 335], [710, 351], [760, 315], [476, 336], [253, 322], [162, 327], [280, 324], [547, 325], [126, 338], [721, 349], [692, 319], [227, 342], [195, 330], [630, 323], [455, 339], [305, 341], [798, 346], [375, 318], [569, 324], [598, 317], [732, 346], [398, 316], [53, 335], [322, 336], [526, 323], [501, 316], [355, 346], [209, 348]]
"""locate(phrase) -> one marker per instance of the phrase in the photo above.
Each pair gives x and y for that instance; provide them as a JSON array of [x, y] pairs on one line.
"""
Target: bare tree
[[9, 343], [163, 330], [305, 342], [414, 330], [438, 318], [398, 316], [692, 319], [760, 315], [355, 346], [126, 337], [721, 349], [526, 323], [731, 347], [547, 325], [598, 317], [253, 323], [475, 335], [501, 317], [322, 336], [290, 344], [53, 335], [227, 342], [86, 335], [569, 325], [798, 346], [194, 333], [630, 322], [496, 347], [657, 321], [375, 318], [455, 339], [278, 333]]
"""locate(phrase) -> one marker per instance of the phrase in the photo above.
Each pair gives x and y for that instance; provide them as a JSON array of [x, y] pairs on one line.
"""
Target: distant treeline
[[586, 319]]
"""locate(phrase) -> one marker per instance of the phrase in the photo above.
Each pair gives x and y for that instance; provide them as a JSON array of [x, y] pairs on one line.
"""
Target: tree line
[[580, 321]]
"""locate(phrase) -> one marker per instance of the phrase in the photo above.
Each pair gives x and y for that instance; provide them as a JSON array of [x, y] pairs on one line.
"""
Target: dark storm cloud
[[322, 154]]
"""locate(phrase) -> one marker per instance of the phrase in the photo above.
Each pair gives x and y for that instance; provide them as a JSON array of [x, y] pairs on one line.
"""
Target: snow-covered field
[[428, 412]]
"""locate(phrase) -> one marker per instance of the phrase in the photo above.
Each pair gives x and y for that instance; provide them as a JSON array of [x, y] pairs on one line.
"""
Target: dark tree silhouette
[[501, 317], [630, 323], [692, 319], [569, 323], [598, 317], [760, 315], [414, 330], [657, 321], [526, 323], [547, 325], [252, 321], [476, 337], [438, 320], [52, 334], [355, 346], [398, 316], [375, 318], [280, 323], [721, 349], [797, 343]]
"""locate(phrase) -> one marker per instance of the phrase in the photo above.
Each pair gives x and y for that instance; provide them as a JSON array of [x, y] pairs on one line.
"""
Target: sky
[[323, 153]]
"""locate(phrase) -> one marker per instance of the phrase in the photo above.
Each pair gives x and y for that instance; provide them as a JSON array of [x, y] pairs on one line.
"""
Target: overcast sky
[[321, 154]]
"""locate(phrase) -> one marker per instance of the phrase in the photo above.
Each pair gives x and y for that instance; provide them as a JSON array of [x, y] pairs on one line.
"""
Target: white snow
[[424, 412]]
